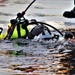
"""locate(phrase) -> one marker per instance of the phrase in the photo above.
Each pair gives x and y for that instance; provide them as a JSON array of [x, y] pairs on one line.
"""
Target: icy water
[[25, 57]]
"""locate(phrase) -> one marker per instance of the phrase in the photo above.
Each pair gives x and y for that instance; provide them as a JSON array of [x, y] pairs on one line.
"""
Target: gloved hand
[[20, 15]]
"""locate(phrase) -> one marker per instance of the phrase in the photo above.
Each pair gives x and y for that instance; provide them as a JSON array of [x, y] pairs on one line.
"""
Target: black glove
[[20, 15]]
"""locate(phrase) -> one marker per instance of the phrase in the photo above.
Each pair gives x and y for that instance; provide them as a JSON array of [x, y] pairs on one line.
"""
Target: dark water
[[34, 58]]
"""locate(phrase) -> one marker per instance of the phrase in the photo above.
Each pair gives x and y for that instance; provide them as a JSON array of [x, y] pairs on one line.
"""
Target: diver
[[19, 31]]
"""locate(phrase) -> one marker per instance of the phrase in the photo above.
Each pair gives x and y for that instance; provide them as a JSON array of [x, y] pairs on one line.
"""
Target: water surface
[[25, 57]]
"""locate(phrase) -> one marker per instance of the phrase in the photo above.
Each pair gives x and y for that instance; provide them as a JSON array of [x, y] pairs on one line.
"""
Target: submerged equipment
[[42, 28]]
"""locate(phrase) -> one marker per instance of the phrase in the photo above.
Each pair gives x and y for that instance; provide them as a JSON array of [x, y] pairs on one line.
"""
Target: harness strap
[[18, 30]]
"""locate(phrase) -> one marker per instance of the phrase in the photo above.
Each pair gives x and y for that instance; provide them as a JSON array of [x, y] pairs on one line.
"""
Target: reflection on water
[[68, 63], [33, 58], [72, 62]]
